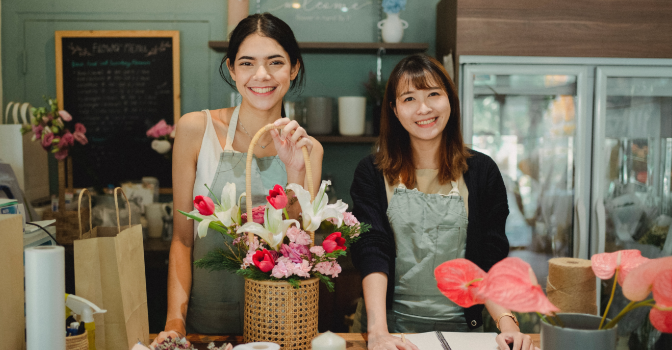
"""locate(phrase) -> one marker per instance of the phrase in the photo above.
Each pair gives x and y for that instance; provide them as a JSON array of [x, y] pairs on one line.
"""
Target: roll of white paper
[[45, 298], [258, 346]]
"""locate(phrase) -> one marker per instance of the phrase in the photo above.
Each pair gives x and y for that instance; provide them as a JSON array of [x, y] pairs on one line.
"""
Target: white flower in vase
[[274, 227]]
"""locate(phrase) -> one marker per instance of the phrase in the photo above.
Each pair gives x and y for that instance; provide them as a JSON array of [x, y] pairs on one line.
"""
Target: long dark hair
[[395, 157], [264, 24]]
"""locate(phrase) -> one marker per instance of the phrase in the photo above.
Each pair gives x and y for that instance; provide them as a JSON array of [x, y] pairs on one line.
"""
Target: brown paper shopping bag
[[12, 295], [110, 272]]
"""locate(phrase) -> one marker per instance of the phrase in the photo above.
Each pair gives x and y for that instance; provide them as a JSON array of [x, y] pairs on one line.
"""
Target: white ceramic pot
[[351, 115], [392, 28], [161, 146]]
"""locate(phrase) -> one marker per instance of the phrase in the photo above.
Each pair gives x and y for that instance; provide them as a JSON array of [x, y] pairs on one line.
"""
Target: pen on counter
[[403, 338]]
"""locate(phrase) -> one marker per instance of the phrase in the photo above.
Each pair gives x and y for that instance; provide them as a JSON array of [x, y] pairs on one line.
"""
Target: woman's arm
[[188, 138], [510, 332]]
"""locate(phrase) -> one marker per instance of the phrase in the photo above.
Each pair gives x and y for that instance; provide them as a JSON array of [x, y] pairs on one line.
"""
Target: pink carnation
[[282, 268], [61, 154], [302, 269], [66, 140], [328, 268], [37, 129], [79, 127], [298, 236], [248, 261], [317, 250], [46, 141], [350, 219]]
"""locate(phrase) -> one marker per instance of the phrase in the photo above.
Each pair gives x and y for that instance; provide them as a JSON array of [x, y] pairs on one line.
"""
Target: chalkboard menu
[[118, 84]]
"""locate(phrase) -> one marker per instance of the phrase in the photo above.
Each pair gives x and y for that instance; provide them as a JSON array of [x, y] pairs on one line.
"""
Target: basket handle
[[248, 174], [116, 206], [79, 211]]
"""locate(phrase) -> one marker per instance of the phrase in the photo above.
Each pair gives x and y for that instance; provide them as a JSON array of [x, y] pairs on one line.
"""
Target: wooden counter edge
[[237, 339]]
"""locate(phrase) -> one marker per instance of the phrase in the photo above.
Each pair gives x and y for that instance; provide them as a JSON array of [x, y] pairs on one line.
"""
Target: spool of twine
[[571, 285]]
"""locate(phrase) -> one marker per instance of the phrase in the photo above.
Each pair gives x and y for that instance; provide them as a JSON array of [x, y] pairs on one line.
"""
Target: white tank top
[[209, 155]]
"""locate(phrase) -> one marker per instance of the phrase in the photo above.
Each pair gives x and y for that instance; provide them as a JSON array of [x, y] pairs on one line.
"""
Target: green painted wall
[[28, 65]]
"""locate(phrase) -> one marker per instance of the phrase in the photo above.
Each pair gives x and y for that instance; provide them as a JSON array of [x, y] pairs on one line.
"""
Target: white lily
[[314, 213], [226, 212], [274, 227]]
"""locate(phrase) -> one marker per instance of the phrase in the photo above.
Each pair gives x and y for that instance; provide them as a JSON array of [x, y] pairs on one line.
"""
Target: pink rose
[[67, 140], [80, 138], [333, 242], [298, 236], [350, 219], [328, 268], [160, 129], [257, 215], [37, 129], [79, 127], [277, 197], [295, 252], [317, 250], [62, 154], [65, 115], [204, 205], [46, 141]]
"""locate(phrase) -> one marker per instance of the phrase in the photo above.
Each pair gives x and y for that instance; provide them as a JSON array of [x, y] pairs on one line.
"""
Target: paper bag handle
[[116, 206], [248, 174], [79, 211]]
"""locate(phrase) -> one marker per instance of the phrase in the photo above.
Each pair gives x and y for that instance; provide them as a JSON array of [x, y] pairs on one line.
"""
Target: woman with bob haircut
[[262, 63], [429, 199]]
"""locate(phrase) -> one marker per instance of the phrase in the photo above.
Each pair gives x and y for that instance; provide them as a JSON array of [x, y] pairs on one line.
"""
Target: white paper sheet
[[456, 340]]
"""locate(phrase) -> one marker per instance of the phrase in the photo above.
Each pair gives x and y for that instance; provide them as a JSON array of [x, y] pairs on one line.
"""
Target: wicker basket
[[77, 342], [275, 311]]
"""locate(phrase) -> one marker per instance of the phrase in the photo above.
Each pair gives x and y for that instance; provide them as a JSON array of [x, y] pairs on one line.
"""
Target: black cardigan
[[486, 240]]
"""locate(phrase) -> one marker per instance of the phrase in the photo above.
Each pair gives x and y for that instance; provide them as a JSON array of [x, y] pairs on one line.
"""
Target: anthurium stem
[[549, 319], [558, 320], [633, 305], [611, 299]]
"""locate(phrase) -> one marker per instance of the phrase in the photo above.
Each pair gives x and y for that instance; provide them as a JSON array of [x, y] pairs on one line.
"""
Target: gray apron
[[429, 229], [217, 300]]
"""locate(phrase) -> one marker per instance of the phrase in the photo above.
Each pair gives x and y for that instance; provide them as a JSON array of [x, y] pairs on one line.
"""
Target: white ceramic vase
[[392, 28]]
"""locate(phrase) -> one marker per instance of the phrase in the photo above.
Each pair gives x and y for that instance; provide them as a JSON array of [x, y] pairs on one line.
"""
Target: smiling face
[[424, 111], [262, 72]]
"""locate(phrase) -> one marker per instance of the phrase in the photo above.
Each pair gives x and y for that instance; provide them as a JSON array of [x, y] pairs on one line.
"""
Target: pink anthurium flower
[[605, 264], [512, 284], [459, 280], [662, 289], [661, 319], [639, 282]]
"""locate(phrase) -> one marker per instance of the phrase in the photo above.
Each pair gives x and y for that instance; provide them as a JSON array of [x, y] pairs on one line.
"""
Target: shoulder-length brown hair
[[395, 156]]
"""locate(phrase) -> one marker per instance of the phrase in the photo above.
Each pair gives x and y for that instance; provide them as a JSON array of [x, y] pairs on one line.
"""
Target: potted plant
[[512, 284]]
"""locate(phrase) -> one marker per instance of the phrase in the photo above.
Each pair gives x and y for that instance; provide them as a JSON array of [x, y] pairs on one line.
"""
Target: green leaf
[[326, 280], [295, 282], [213, 225]]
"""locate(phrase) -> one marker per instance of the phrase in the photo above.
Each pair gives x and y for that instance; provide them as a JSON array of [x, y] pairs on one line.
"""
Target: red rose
[[277, 197], [334, 242], [204, 205], [263, 259]]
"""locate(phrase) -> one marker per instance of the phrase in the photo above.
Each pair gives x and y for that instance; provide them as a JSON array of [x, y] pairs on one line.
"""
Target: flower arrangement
[[512, 284], [50, 127], [163, 135], [281, 248], [394, 6]]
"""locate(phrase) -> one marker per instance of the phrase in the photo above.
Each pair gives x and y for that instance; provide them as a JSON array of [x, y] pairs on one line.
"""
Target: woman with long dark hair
[[263, 63], [429, 199]]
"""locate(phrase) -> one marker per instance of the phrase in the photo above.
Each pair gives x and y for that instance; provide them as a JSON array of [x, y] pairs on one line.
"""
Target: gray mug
[[318, 115]]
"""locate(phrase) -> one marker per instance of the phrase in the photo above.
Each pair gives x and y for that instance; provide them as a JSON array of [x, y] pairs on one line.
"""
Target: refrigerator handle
[[582, 247], [601, 225]]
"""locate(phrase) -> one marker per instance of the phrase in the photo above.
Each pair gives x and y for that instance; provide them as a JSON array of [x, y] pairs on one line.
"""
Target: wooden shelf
[[346, 139], [322, 47]]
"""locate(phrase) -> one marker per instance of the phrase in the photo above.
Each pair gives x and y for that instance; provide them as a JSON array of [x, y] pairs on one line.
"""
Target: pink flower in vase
[[298, 236], [46, 141], [605, 264], [328, 268], [65, 115], [66, 140], [317, 250], [301, 269], [282, 268], [160, 129], [350, 219], [257, 215], [61, 154], [80, 130]]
